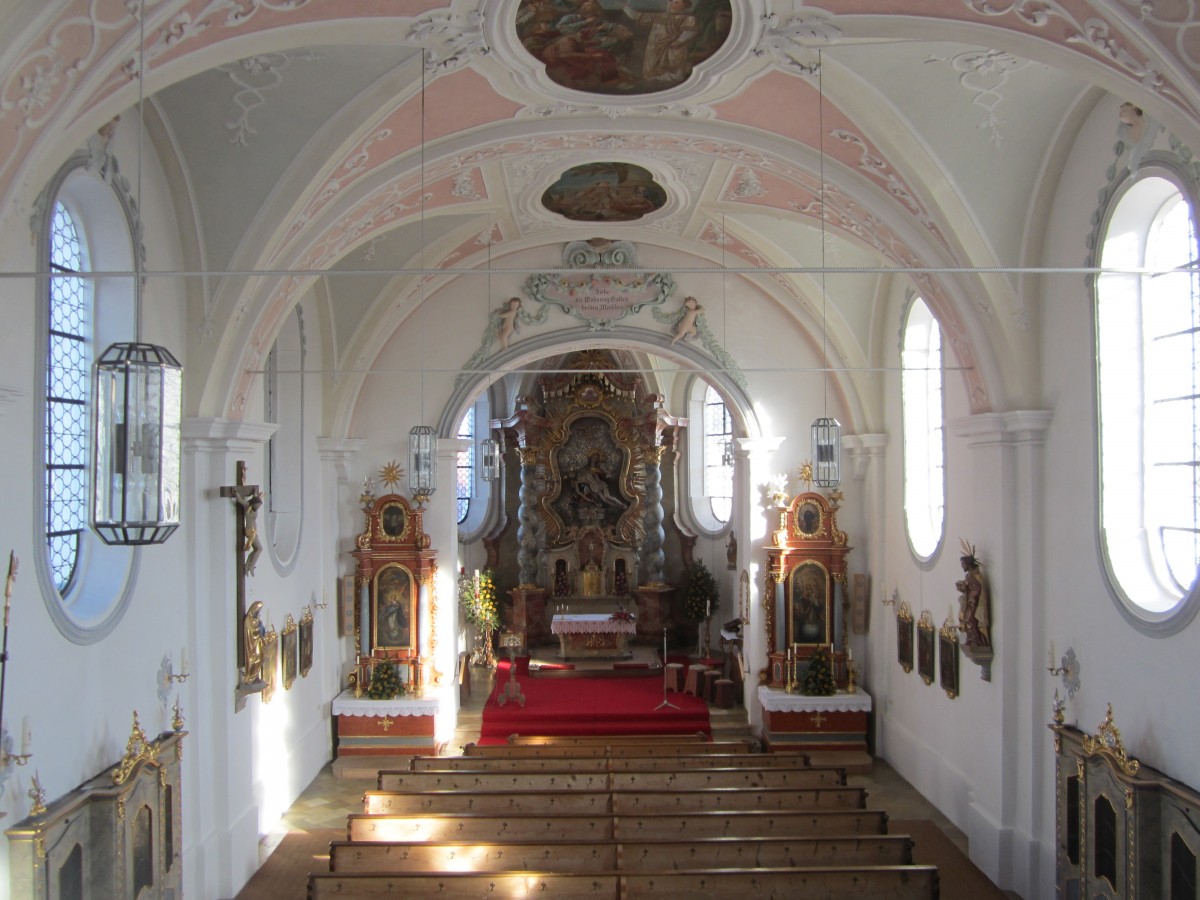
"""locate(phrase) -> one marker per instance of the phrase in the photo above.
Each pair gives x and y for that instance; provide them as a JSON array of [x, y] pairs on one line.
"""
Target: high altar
[[590, 523]]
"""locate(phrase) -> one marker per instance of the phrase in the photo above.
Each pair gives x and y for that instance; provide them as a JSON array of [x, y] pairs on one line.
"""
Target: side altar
[[593, 635], [401, 726], [800, 722]]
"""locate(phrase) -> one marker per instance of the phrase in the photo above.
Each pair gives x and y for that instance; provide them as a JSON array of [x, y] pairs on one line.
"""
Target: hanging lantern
[[827, 452], [422, 462], [136, 460], [490, 471], [727, 459]]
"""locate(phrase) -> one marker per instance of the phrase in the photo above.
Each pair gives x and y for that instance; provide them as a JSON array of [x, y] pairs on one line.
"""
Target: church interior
[[831, 367]]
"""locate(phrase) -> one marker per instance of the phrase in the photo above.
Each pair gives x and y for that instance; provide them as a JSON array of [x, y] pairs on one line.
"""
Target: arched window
[[465, 470], [1148, 371], [718, 463], [84, 223], [924, 441], [68, 372]]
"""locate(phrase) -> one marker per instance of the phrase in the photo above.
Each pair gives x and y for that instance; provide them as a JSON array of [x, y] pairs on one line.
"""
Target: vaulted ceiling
[[344, 143]]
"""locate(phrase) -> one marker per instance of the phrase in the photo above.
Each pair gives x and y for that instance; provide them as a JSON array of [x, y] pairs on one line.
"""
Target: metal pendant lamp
[[826, 430], [422, 440]]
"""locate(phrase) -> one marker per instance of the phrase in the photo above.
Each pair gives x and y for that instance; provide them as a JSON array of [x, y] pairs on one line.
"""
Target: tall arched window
[[85, 222], [465, 470], [718, 464], [924, 436], [1148, 371], [68, 372]]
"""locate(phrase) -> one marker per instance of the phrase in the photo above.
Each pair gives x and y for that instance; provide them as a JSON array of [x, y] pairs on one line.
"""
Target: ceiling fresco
[[618, 47], [604, 192]]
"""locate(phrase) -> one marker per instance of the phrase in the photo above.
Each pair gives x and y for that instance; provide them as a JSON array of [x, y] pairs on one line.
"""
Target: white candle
[[849, 654], [1052, 654], [26, 735], [183, 668], [707, 608]]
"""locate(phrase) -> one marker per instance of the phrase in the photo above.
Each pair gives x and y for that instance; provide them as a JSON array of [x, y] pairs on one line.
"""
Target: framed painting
[[306, 642], [393, 521], [808, 519], [860, 592], [809, 604], [904, 637], [394, 609], [346, 606], [925, 648], [270, 669], [948, 658], [288, 651]]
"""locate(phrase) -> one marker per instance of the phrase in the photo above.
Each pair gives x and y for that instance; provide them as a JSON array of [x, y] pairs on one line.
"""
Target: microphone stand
[[665, 701]]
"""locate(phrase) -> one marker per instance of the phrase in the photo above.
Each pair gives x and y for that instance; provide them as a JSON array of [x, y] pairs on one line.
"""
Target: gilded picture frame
[[393, 522], [926, 645], [394, 610], [948, 658], [288, 651], [808, 593], [270, 664], [904, 637], [306, 642], [808, 520]]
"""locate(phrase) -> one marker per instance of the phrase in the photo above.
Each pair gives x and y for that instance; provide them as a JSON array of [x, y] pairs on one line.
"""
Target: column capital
[[1016, 427], [211, 435], [758, 446], [339, 449]]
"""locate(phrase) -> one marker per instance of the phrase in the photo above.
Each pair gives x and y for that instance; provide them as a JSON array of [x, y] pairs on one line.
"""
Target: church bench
[[477, 827], [466, 886], [568, 802], [686, 748], [790, 823], [662, 802], [497, 803], [629, 856], [613, 781], [602, 763], [732, 777], [818, 883], [592, 740]]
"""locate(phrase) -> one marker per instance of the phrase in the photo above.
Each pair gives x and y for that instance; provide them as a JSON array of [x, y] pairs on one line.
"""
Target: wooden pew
[[818, 883], [640, 856], [707, 824], [456, 780], [466, 886], [592, 763], [593, 740], [637, 802]]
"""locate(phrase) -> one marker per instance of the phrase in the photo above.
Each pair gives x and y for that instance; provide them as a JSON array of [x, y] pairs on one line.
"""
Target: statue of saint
[[254, 634], [974, 611]]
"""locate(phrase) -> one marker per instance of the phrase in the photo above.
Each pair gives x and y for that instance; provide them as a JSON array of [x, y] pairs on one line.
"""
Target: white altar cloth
[[346, 704], [776, 700], [591, 623]]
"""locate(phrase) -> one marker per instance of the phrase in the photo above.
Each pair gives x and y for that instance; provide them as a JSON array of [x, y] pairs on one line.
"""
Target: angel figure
[[506, 321], [686, 328]]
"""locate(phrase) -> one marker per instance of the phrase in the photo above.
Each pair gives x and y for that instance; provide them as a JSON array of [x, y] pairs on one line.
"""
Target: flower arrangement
[[477, 597], [622, 615]]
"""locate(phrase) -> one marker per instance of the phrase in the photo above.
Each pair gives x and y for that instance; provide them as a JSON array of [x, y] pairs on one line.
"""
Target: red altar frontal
[[367, 727], [800, 722]]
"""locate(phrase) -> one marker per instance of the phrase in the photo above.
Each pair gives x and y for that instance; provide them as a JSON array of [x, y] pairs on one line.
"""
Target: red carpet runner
[[589, 706]]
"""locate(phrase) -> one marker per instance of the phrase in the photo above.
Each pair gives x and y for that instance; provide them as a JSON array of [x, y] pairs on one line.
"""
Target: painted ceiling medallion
[[624, 47], [604, 192]]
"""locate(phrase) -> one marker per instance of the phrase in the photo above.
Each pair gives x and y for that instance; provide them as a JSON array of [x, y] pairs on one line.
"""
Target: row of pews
[[667, 817]]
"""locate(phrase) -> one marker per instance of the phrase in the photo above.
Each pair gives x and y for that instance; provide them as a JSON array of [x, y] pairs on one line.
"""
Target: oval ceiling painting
[[604, 192], [622, 46]]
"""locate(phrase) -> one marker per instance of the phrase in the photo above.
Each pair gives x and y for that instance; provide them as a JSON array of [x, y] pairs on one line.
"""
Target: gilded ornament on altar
[[137, 750], [391, 474], [1107, 742]]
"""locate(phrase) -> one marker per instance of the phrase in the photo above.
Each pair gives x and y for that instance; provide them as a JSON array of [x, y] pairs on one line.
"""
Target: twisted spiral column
[[527, 531], [653, 557]]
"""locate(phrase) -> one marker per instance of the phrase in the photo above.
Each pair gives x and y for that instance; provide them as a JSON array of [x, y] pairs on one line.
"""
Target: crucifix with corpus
[[247, 500]]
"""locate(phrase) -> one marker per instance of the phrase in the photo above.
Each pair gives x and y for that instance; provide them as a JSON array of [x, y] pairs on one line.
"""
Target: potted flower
[[477, 598], [701, 594]]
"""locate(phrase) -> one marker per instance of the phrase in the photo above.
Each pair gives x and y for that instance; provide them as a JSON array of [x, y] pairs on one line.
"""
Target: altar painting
[[393, 609], [622, 46], [589, 465], [809, 602]]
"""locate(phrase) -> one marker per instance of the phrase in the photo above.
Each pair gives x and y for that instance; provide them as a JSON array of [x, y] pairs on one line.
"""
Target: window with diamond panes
[[465, 470], [68, 371], [718, 473]]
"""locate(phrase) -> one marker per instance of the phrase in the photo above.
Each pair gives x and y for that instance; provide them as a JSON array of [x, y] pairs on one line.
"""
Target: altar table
[[401, 726], [801, 722], [592, 635]]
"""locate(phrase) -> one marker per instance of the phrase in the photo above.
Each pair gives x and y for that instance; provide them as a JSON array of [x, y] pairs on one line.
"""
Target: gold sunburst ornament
[[806, 474], [391, 474]]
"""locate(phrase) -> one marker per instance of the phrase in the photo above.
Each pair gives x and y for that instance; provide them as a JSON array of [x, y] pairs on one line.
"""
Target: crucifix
[[247, 500]]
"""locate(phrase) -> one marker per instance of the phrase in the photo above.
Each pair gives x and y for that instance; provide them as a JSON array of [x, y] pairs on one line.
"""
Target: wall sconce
[[1067, 669], [324, 600], [8, 759], [136, 463]]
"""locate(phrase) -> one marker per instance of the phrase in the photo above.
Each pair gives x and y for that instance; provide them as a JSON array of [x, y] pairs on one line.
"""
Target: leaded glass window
[[924, 441], [718, 467], [465, 470]]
